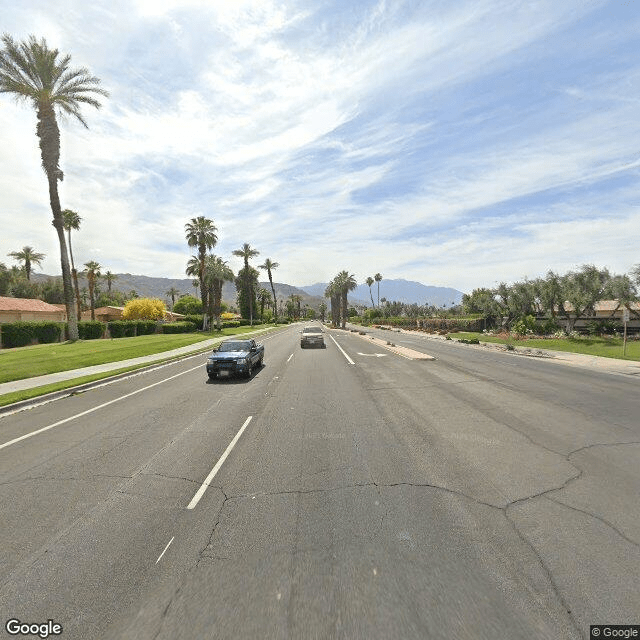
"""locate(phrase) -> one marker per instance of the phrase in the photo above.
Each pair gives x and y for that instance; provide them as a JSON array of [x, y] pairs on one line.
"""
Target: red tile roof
[[26, 304]]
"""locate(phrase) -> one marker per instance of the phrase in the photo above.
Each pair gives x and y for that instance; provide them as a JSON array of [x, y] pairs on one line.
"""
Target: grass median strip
[[588, 345]]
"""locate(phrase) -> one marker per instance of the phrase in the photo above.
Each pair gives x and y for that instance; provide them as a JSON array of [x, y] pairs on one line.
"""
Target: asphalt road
[[366, 495]]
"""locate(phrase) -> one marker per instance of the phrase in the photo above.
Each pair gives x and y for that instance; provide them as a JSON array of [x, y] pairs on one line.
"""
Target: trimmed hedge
[[91, 329], [122, 328], [21, 334], [146, 327], [196, 318], [178, 327]]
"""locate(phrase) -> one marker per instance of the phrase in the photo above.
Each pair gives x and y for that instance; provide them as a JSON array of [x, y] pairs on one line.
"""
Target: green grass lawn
[[589, 345], [37, 360]]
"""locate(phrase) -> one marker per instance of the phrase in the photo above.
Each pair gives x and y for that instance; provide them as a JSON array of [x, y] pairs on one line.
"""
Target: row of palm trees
[[212, 271], [337, 291]]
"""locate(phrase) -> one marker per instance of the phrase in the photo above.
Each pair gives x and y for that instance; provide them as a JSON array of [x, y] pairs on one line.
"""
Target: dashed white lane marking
[[212, 473], [349, 360], [165, 550], [100, 406], [289, 358]]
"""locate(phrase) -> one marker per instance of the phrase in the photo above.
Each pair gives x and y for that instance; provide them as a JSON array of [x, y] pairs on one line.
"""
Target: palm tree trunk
[[275, 304], [54, 199], [74, 275]]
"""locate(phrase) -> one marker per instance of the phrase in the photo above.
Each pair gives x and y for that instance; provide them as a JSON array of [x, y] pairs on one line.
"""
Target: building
[[29, 310]]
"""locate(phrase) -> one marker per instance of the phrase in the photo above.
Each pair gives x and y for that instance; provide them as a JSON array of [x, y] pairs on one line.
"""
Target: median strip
[[405, 352]]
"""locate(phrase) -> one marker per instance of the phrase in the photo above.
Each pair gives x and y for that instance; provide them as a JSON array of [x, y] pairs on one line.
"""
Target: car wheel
[[213, 376], [249, 370], [261, 362]]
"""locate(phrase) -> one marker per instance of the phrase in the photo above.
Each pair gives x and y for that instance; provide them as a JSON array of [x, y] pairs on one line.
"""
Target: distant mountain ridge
[[398, 290], [150, 287]]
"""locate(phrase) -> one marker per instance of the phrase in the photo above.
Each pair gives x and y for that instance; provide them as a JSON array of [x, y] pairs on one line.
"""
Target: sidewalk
[[61, 376]]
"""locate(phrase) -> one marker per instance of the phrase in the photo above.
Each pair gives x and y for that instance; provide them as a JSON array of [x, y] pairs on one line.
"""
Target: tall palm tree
[[71, 220], [270, 266], [377, 278], [31, 71], [93, 273], [346, 282], [370, 281], [246, 252], [172, 293], [29, 257], [264, 297], [216, 272], [110, 279], [333, 293], [201, 233]]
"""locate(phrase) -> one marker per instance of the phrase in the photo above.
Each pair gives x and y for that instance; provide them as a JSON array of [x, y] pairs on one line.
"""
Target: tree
[[144, 309], [172, 293], [93, 273], [264, 297], [480, 301], [270, 266], [6, 278], [246, 253], [246, 286], [27, 256], [369, 282], [71, 220], [582, 289], [378, 278], [345, 282], [32, 72], [322, 310], [188, 305], [110, 279], [216, 272], [201, 233], [333, 293]]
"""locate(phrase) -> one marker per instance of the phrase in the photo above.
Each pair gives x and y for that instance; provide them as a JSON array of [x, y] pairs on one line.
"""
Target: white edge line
[[212, 473], [100, 406], [165, 549], [349, 360]]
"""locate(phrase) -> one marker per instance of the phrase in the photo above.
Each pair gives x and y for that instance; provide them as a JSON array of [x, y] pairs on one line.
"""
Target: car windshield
[[234, 346], [312, 330]]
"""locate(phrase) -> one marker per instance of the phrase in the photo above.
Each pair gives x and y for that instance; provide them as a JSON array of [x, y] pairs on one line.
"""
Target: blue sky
[[457, 144]]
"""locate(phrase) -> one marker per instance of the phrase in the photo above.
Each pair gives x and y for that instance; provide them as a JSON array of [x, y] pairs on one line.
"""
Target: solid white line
[[349, 360], [165, 549], [212, 473], [291, 356], [100, 406]]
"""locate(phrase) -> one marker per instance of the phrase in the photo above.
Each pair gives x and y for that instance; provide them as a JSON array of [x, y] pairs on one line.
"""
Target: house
[[29, 310], [613, 309]]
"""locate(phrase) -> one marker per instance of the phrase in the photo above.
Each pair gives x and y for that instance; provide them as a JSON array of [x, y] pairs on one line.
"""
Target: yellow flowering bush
[[144, 309]]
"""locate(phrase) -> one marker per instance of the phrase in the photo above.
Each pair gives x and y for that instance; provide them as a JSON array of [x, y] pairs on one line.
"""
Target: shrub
[[21, 334], [122, 328], [188, 305], [91, 329], [144, 309], [525, 325], [146, 327], [178, 327], [196, 318]]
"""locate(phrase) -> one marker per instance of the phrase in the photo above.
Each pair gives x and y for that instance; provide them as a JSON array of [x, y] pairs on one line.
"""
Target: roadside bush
[[178, 327], [21, 334], [146, 327], [122, 328], [196, 318], [603, 327], [230, 324], [144, 309], [91, 329], [188, 305], [525, 325]]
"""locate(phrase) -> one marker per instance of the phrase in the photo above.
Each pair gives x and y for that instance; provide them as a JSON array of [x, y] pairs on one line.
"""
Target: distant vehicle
[[235, 357], [312, 337]]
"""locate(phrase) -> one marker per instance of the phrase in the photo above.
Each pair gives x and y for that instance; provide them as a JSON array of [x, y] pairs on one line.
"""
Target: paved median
[[405, 352]]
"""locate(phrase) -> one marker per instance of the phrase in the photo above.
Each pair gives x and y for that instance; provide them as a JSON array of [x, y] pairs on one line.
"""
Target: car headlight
[[241, 361]]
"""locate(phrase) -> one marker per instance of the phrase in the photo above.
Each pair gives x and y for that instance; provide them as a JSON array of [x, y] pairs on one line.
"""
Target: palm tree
[[93, 273], [345, 282], [172, 293], [370, 281], [270, 266], [333, 293], [110, 278], [245, 253], [264, 297], [322, 309], [216, 271], [201, 233], [28, 256], [33, 72], [71, 220], [377, 278]]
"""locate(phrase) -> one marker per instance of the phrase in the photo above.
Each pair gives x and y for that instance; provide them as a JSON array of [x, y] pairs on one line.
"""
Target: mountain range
[[312, 295]]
